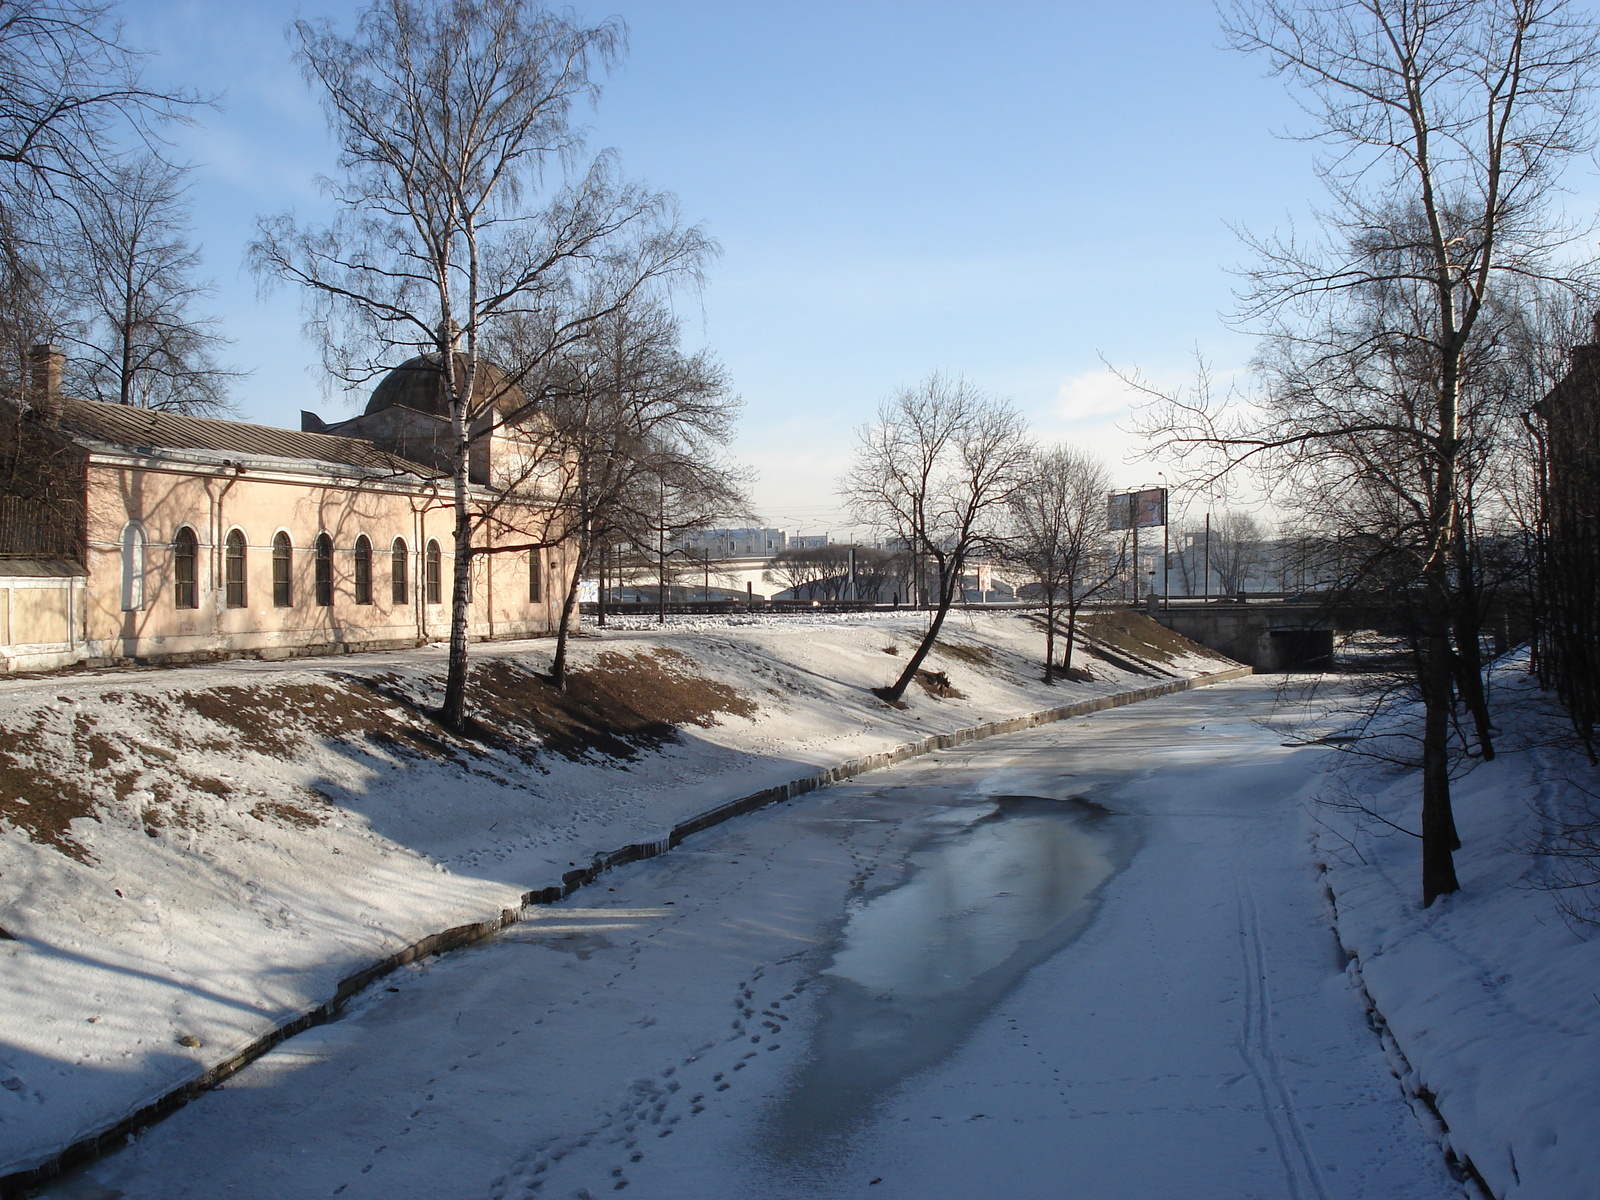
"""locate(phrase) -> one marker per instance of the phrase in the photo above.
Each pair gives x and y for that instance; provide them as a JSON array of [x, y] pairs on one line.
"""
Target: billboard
[[1138, 510]]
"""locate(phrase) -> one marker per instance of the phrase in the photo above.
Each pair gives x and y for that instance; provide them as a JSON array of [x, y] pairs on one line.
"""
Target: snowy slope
[[1491, 995], [189, 858]]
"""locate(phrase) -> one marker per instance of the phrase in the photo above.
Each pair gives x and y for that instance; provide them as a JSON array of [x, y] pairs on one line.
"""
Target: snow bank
[[190, 859], [1490, 994]]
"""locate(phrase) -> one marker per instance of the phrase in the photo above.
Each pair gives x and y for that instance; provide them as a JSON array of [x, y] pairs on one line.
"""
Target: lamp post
[[1166, 546]]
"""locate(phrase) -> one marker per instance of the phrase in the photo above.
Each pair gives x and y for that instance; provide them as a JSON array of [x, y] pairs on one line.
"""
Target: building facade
[[130, 535]]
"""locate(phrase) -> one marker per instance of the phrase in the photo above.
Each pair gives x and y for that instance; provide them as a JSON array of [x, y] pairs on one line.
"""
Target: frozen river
[[1088, 961]]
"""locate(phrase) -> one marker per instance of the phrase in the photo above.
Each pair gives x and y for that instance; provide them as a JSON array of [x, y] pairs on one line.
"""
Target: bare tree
[[938, 468], [71, 98], [823, 572], [1238, 550], [880, 574], [134, 289], [71, 104], [449, 114], [32, 311], [817, 571], [1060, 534], [1450, 121], [641, 428]]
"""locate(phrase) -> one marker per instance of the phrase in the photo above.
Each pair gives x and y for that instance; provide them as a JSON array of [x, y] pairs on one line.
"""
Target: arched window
[[185, 560], [535, 578], [363, 570], [132, 567], [435, 573], [324, 571], [399, 585], [233, 572], [282, 570]]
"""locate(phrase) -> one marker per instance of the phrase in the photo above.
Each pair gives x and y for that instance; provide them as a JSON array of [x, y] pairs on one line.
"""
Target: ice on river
[[1088, 960]]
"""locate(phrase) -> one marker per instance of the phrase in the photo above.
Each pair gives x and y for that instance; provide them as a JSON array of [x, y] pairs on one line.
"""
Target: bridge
[[1270, 633]]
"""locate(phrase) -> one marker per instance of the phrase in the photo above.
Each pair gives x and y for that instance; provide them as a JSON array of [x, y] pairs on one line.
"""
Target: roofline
[[104, 452]]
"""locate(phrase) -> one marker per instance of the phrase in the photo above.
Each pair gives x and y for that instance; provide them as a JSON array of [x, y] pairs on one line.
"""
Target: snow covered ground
[[190, 858], [1492, 994], [1087, 960]]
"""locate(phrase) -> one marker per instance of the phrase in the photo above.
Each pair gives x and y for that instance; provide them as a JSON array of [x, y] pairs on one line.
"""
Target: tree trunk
[[1439, 839], [569, 605], [1049, 637], [454, 710], [947, 585], [1072, 636], [1467, 625], [1438, 826], [125, 374]]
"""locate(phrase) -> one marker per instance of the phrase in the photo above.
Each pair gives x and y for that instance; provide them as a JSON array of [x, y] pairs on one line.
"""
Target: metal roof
[[148, 429]]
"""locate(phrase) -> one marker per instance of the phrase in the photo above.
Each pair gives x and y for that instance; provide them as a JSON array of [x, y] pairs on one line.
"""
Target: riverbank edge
[[93, 1146], [1422, 1102]]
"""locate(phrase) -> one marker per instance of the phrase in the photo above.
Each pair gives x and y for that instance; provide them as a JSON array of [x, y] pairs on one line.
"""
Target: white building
[[737, 543]]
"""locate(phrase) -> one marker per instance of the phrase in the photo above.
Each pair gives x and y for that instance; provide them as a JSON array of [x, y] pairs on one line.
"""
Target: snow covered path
[[1089, 960]]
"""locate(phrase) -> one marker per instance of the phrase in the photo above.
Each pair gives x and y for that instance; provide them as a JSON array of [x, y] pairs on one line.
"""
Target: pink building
[[128, 534]]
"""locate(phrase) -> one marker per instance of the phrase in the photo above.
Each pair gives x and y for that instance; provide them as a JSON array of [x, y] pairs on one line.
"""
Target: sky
[[1020, 193]]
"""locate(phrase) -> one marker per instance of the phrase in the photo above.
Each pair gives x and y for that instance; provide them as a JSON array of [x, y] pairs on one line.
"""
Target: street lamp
[[1166, 546]]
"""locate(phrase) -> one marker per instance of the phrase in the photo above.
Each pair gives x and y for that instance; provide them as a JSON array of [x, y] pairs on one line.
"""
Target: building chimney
[[44, 373]]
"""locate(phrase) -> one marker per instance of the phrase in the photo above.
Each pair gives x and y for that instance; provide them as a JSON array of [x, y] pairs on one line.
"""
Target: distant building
[[736, 543]]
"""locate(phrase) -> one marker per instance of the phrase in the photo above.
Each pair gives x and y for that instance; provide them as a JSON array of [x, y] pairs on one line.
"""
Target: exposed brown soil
[[287, 814], [973, 655], [662, 686], [36, 800], [613, 706], [278, 718], [1134, 633], [1125, 639], [1122, 662], [102, 750], [937, 684], [616, 705]]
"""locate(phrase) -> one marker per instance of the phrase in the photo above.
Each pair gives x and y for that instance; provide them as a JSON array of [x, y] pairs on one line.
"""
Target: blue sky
[[1006, 190]]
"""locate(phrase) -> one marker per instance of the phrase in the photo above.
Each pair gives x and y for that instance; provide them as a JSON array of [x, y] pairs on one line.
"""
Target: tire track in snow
[[1261, 1060]]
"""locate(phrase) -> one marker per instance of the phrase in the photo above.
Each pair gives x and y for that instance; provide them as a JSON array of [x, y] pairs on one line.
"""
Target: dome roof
[[419, 384]]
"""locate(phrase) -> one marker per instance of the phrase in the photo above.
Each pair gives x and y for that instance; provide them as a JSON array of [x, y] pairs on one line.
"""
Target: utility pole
[[1206, 586], [661, 563], [1166, 557], [1166, 546], [1137, 565]]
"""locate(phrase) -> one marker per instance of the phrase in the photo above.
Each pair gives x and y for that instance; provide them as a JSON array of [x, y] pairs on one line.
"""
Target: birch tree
[[453, 120]]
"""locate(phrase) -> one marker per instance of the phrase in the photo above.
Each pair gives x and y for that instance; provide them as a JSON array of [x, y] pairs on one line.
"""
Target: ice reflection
[[916, 967]]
